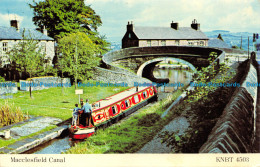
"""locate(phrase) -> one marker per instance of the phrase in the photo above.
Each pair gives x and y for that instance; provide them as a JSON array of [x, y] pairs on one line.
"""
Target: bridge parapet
[[157, 50]]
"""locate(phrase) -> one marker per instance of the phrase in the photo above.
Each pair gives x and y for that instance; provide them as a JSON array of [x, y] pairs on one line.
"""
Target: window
[[145, 94], [201, 43], [177, 42], [148, 42], [43, 46], [5, 46], [127, 103], [190, 43], [129, 35], [114, 109], [136, 98], [163, 42]]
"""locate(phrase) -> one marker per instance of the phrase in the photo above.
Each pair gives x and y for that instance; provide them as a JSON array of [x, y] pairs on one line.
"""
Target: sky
[[230, 15]]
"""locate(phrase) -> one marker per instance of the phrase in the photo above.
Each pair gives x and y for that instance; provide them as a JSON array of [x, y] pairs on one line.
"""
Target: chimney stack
[[15, 24], [42, 30], [175, 25], [195, 25], [130, 27], [45, 32]]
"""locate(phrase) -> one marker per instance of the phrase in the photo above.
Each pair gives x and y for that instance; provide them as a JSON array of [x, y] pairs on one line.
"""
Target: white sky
[[231, 15]]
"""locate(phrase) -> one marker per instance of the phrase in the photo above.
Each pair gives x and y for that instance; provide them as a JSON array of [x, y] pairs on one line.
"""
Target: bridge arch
[[153, 62]]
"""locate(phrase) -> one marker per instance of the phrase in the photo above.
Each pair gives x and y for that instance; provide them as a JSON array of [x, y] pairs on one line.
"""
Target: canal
[[62, 143], [183, 76]]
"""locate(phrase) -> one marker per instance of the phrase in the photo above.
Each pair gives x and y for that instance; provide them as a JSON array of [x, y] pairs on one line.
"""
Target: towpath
[[23, 135]]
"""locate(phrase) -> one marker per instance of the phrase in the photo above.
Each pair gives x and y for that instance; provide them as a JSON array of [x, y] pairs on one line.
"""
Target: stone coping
[[31, 142]]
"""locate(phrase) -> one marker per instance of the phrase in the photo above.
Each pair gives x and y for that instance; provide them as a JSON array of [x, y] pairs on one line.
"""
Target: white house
[[9, 36], [137, 36]]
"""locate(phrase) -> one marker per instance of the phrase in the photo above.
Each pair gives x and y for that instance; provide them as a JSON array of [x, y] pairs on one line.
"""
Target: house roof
[[168, 33], [10, 33], [217, 43]]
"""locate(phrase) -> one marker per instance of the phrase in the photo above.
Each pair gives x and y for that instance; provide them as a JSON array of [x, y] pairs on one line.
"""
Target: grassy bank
[[51, 102], [127, 136], [202, 115]]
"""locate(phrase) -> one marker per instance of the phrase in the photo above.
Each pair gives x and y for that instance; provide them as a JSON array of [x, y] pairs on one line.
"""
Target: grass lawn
[[51, 102]]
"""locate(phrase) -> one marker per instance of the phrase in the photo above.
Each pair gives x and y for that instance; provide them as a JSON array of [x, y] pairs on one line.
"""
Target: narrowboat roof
[[117, 97]]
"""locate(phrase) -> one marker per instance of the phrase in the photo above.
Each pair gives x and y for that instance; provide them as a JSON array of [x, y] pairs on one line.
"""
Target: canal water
[[61, 144], [175, 76], [55, 146]]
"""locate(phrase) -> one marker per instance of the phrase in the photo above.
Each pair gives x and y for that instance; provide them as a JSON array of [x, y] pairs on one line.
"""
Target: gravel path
[[155, 146]]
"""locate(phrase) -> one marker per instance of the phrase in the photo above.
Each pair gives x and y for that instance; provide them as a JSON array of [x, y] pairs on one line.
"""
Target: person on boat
[[75, 114], [81, 103], [87, 114]]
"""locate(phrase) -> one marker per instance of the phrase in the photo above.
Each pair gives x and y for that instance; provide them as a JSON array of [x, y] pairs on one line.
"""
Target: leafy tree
[[65, 16], [220, 37], [62, 17], [79, 55], [27, 56], [207, 75]]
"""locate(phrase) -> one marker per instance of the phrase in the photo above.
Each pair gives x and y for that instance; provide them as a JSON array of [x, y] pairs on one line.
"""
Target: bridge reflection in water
[[175, 76]]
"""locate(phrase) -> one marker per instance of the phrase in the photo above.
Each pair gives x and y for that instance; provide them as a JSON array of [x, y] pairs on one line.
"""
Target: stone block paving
[[28, 127], [33, 127]]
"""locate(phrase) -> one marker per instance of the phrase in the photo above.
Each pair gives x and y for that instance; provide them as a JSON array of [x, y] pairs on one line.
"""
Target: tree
[[220, 37], [61, 17], [79, 55], [27, 56]]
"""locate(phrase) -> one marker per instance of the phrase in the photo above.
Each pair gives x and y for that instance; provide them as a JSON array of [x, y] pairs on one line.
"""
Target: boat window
[[95, 105], [145, 94], [114, 109], [127, 103], [136, 98]]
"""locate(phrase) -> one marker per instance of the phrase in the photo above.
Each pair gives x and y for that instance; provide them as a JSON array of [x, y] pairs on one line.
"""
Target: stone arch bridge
[[142, 60]]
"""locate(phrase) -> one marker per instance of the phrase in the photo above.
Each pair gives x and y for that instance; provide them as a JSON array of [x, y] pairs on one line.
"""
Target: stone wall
[[109, 76], [44, 83], [8, 87], [235, 51], [234, 131]]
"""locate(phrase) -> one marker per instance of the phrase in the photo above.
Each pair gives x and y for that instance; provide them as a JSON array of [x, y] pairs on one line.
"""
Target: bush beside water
[[10, 114]]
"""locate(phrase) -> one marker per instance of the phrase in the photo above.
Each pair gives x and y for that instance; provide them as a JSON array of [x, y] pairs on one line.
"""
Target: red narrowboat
[[111, 109]]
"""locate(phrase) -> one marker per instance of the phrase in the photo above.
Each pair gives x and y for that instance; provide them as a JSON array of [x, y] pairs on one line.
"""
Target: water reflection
[[174, 75]]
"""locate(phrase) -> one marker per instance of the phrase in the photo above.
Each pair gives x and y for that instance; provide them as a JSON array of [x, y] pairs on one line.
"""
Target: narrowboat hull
[[81, 133]]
